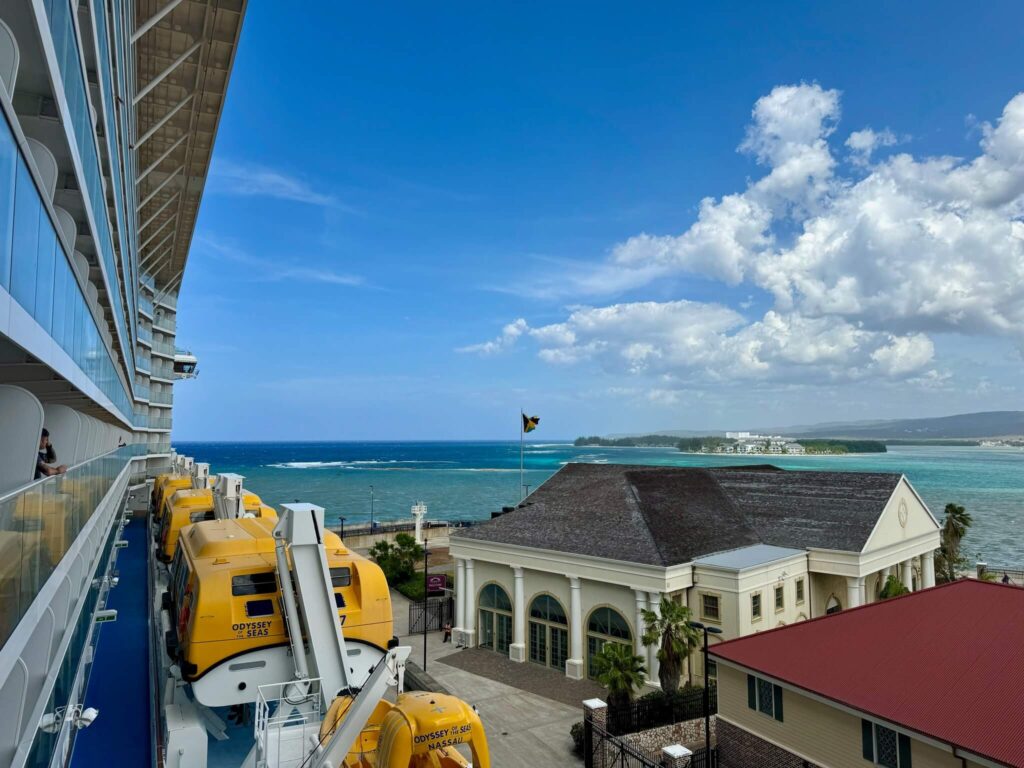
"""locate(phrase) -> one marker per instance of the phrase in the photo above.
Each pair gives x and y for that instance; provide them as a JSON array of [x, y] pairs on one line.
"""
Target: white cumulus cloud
[[862, 270]]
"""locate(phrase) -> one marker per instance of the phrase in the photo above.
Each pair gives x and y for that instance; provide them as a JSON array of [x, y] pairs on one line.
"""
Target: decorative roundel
[[903, 513]]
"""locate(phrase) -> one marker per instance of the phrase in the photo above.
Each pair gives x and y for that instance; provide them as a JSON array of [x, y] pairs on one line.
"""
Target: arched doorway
[[605, 625], [833, 605], [549, 632], [495, 619]]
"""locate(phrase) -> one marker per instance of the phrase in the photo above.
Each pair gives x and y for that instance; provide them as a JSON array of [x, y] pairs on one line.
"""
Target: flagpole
[[522, 433]]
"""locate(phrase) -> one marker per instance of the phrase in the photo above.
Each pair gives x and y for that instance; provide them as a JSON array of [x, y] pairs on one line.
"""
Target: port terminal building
[[747, 549]]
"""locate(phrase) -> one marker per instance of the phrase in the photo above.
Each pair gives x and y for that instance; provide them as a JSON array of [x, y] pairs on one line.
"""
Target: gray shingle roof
[[670, 515]]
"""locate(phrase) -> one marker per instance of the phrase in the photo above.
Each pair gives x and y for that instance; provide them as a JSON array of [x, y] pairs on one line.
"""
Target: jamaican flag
[[530, 423]]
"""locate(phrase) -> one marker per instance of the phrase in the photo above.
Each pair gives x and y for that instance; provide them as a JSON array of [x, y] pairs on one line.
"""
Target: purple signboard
[[436, 582]]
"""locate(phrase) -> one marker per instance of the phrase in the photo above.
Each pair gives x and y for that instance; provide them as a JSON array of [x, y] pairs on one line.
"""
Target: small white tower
[[419, 511]]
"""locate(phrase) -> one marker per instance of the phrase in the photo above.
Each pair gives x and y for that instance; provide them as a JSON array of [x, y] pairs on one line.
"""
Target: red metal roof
[[947, 662]]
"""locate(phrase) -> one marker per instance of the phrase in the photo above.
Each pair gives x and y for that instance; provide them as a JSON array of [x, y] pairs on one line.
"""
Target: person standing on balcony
[[47, 457]]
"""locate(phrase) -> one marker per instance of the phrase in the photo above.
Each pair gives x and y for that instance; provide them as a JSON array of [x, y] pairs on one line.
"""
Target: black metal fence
[[1003, 574], [360, 530], [438, 611], [643, 714], [603, 750]]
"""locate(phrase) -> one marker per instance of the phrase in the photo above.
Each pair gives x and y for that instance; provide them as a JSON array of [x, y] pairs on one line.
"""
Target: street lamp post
[[342, 521], [707, 689], [371, 509], [426, 582]]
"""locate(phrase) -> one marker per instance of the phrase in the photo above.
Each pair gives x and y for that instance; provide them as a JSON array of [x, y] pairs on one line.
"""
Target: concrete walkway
[[523, 728]]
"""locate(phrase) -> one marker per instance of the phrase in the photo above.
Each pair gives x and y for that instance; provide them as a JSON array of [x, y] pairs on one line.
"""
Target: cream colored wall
[[735, 589], [814, 731], [592, 594], [888, 530], [823, 585], [485, 573]]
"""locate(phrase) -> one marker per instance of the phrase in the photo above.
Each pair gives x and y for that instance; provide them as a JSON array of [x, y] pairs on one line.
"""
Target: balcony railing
[[162, 398], [142, 390], [146, 306], [144, 334], [40, 522], [165, 321], [168, 300], [141, 420], [143, 362], [159, 422], [164, 348], [162, 371]]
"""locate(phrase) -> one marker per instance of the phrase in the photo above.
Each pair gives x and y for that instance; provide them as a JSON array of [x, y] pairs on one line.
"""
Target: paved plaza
[[523, 728]]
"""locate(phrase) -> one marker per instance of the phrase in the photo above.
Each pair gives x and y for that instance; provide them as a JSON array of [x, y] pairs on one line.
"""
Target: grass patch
[[413, 588]]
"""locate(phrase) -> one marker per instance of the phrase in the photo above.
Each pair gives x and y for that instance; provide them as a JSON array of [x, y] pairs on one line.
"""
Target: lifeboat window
[[195, 517], [341, 577], [339, 599], [259, 608], [254, 584]]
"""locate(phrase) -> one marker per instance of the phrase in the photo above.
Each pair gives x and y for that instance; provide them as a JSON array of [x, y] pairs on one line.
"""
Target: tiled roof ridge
[[663, 555]]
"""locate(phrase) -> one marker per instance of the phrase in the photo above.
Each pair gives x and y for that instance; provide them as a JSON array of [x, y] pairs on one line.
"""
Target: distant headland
[[740, 443]]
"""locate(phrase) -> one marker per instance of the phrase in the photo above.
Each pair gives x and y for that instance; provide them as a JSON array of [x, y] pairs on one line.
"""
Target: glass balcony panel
[[40, 522], [27, 209], [44, 273], [8, 174]]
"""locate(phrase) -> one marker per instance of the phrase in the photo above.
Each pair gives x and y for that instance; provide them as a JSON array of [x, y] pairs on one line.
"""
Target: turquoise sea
[[463, 481]]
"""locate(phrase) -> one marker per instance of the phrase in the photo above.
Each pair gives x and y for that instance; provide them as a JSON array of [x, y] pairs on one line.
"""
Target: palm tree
[[620, 671], [670, 629], [954, 528]]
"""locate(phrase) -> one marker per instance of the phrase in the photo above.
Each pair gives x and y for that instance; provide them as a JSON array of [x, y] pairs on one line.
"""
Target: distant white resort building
[[746, 548]]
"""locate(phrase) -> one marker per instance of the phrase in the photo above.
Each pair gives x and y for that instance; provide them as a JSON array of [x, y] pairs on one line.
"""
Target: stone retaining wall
[[688, 732]]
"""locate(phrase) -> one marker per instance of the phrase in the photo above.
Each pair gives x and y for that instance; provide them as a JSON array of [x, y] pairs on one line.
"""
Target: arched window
[[833, 605], [549, 632], [495, 618], [605, 625]]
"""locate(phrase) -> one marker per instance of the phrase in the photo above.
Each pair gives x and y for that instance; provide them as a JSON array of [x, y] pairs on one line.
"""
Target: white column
[[653, 605], [517, 651], [641, 604], [928, 569], [460, 594], [854, 589], [574, 664], [469, 612], [907, 567]]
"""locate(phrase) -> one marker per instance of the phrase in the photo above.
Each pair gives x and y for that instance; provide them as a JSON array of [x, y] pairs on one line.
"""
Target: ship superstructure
[[109, 110]]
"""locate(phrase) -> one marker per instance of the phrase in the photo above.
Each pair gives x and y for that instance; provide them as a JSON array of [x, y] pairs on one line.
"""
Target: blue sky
[[421, 217]]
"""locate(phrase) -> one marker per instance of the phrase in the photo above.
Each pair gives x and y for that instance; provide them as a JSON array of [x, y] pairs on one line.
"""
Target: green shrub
[[412, 588], [397, 560], [577, 738]]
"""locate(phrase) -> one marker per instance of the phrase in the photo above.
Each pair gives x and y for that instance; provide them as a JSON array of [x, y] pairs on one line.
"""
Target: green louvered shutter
[[867, 740], [777, 692], [904, 751], [751, 692]]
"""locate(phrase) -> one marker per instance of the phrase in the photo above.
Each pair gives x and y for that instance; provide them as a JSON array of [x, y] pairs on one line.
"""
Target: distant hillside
[[987, 424], [964, 425]]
